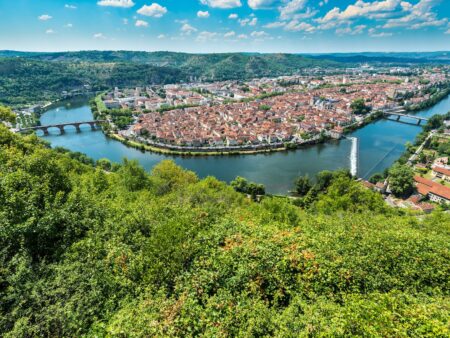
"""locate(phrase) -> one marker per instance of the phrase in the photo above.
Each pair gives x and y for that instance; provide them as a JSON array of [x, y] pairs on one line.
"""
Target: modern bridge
[[399, 113]]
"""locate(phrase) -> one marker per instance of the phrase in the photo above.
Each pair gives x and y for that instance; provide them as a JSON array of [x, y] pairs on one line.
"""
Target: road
[[419, 150]]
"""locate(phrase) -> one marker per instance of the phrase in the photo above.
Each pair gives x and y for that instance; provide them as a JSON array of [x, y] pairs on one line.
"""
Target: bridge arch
[[61, 126]]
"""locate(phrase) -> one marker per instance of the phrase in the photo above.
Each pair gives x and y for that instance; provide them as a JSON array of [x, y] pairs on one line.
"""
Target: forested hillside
[[29, 77], [392, 58], [113, 251], [174, 59], [24, 81]]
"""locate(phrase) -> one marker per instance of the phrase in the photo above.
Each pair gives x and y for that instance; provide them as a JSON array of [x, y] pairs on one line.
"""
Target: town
[[264, 113]]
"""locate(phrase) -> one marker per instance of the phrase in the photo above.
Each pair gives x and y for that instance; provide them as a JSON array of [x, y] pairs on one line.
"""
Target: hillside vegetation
[[30, 77], [24, 81], [114, 251]]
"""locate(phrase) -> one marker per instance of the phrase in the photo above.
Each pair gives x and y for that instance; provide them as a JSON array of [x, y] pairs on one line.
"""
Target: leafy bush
[[126, 253]]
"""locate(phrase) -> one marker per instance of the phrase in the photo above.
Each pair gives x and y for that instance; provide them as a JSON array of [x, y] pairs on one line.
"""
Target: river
[[379, 145]]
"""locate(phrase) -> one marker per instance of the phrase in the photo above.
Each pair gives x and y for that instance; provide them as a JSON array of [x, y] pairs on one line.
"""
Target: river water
[[379, 145]]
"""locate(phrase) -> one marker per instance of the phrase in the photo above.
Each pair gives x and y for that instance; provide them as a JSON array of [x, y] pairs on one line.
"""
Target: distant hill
[[276, 62], [380, 57], [27, 77], [25, 81], [34, 76]]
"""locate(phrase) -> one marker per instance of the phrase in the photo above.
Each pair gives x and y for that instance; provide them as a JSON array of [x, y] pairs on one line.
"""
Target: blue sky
[[303, 26]]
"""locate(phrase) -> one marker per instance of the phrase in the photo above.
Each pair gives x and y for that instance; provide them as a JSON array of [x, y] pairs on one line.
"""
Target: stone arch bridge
[[61, 126]]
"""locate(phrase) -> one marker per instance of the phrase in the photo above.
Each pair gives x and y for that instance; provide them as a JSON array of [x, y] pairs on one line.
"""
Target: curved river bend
[[379, 145]]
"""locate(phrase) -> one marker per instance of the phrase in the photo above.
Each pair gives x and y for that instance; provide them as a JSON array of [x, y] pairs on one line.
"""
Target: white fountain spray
[[354, 156]]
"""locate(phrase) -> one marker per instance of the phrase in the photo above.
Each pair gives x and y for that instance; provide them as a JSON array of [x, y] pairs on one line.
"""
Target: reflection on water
[[379, 145]]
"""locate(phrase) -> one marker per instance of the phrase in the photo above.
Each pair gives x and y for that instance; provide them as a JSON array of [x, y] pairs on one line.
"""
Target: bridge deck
[[62, 125], [406, 115]]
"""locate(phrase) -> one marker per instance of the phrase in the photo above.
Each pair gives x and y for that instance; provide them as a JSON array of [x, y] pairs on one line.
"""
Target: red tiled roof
[[367, 184], [441, 170], [425, 186]]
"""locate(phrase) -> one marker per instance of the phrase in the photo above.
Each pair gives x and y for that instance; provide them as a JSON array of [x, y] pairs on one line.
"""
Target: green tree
[[302, 185], [401, 179], [7, 115], [444, 148], [323, 180], [89, 253], [240, 184], [377, 177], [434, 122], [132, 175], [359, 106], [255, 189], [104, 163]]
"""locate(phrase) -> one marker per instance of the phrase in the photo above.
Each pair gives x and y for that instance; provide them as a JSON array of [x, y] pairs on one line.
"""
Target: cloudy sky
[[306, 26]]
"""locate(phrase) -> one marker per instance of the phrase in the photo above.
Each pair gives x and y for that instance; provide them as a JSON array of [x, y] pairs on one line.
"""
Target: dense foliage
[[6, 115], [401, 179], [359, 106], [25, 80], [89, 252], [253, 189]]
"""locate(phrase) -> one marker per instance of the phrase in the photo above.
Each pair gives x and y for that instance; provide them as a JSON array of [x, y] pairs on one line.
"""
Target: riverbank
[[379, 144], [167, 151], [144, 144], [433, 100], [372, 117], [321, 138]]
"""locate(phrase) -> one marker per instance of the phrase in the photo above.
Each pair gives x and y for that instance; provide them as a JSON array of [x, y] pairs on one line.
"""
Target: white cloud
[[141, 23], [242, 36], [351, 31], [290, 8], [418, 16], [276, 24], [49, 31], [154, 10], [44, 17], [203, 14], [381, 35], [161, 36], [296, 26], [229, 34], [222, 3], [258, 34], [99, 36], [70, 6], [187, 29], [406, 6], [258, 4], [362, 9], [309, 13], [233, 16], [253, 22], [68, 25], [374, 34], [248, 22], [429, 23], [116, 3], [447, 32], [204, 36]]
